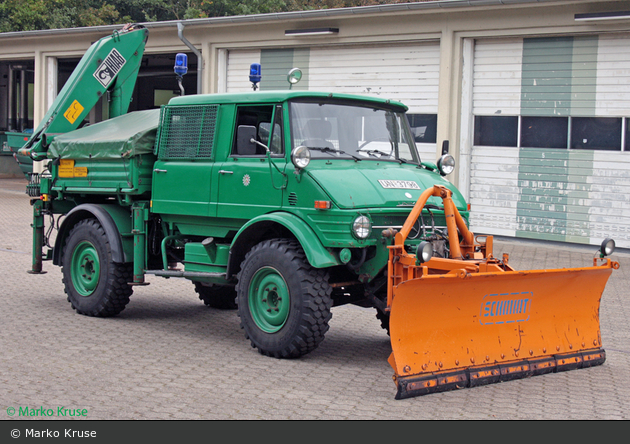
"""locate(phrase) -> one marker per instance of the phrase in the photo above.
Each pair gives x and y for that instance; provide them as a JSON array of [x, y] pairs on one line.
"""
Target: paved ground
[[167, 356]]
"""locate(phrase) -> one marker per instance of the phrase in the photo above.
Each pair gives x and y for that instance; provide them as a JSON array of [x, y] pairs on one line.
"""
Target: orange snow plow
[[471, 319]]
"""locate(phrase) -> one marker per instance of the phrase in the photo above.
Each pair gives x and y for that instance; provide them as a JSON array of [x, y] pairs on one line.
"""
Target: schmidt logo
[[505, 308]]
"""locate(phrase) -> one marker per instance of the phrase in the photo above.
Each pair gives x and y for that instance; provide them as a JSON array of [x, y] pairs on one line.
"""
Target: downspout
[[23, 100], [180, 34], [11, 111]]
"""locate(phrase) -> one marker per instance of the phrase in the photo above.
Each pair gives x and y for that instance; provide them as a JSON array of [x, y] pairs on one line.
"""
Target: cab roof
[[255, 97]]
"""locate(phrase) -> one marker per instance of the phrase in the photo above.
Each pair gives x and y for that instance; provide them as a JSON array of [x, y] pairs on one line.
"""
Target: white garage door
[[551, 153]]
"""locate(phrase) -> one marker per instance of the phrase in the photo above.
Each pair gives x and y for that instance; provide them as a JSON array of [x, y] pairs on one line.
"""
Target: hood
[[378, 184]]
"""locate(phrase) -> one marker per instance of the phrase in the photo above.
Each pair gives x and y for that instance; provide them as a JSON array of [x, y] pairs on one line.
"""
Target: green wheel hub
[[269, 300], [85, 268]]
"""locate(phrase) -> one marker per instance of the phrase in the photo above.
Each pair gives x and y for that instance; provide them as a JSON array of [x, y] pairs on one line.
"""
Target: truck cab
[[332, 171]]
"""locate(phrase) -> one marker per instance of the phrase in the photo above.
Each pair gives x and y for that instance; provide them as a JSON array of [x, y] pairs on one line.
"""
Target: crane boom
[[110, 65]]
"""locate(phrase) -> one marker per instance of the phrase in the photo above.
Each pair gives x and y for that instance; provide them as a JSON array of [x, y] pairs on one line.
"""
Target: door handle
[[157, 170], [225, 172]]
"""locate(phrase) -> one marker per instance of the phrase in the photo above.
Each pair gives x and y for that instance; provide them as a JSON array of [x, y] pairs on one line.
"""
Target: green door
[[182, 187], [248, 184], [246, 189]]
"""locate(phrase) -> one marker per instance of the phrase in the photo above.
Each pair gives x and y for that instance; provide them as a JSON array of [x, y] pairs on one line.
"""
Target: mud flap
[[464, 330]]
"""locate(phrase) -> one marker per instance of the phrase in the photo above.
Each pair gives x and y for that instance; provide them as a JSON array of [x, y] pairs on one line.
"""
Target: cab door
[[182, 187], [248, 184], [183, 172]]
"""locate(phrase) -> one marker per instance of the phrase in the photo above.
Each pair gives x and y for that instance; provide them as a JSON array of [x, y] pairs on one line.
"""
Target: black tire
[[384, 318], [306, 312], [103, 289], [222, 297]]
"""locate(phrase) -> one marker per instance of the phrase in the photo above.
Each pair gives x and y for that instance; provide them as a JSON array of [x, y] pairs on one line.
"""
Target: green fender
[[115, 220], [268, 226]]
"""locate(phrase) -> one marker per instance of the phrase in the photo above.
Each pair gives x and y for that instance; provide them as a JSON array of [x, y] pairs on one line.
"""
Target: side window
[[256, 122], [423, 127], [276, 144]]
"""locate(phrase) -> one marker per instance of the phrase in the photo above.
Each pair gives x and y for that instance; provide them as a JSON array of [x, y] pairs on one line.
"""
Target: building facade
[[533, 96]]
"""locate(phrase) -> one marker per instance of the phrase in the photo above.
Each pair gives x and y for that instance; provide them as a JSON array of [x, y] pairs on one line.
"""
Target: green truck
[[280, 205]]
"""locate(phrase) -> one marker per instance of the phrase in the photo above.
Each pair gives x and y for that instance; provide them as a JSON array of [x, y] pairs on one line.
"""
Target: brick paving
[[167, 356]]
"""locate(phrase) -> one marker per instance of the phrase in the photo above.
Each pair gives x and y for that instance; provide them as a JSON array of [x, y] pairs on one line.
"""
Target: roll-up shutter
[[238, 63], [550, 158], [407, 73]]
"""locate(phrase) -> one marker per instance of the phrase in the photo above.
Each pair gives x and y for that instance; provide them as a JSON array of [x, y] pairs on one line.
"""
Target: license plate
[[399, 184]]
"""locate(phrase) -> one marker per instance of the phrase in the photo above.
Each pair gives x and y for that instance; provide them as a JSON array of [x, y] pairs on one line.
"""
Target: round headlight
[[446, 164], [362, 227], [301, 156], [608, 247], [424, 252]]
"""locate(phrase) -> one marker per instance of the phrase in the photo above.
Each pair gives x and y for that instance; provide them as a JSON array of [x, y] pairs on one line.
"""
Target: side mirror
[[244, 136], [444, 147]]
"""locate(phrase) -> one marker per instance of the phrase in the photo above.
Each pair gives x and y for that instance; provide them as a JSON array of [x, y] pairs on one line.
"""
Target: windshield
[[349, 131]]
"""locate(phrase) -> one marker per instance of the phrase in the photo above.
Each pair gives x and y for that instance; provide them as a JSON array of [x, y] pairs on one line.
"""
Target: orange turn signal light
[[323, 204]]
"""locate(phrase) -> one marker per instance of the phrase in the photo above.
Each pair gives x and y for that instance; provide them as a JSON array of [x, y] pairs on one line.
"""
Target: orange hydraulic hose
[[401, 236], [454, 221]]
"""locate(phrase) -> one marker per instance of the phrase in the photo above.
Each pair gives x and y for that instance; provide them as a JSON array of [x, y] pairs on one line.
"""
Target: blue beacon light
[[254, 74], [181, 64]]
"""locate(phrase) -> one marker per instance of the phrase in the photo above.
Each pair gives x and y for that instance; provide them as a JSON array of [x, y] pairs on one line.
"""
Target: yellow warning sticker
[[80, 172], [66, 168], [73, 112]]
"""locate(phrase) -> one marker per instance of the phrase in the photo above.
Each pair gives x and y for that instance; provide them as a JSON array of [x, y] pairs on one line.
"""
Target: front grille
[[425, 224]]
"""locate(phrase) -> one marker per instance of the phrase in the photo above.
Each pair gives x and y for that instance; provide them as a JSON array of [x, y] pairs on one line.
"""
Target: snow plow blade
[[471, 320]]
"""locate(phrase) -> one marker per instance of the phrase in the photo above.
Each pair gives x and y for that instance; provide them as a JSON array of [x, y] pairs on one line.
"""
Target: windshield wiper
[[329, 150], [373, 152]]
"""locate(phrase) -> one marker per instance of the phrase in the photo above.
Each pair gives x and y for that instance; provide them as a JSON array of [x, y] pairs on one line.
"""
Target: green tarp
[[121, 137]]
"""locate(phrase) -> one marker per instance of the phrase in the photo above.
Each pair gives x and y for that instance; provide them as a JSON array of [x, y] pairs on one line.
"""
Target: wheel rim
[[269, 300], [85, 268]]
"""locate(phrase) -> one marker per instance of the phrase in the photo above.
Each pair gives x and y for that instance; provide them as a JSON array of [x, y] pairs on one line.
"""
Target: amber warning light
[[323, 204]]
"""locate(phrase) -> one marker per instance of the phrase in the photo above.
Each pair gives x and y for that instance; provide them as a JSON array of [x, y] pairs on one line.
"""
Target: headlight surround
[[301, 157], [446, 164], [607, 247], [362, 227]]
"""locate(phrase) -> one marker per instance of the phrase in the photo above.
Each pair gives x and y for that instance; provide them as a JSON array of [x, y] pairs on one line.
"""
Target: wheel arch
[[278, 225], [114, 220]]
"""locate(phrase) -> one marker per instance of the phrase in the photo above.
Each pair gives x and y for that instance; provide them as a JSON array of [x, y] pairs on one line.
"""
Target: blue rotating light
[[181, 64], [254, 74]]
